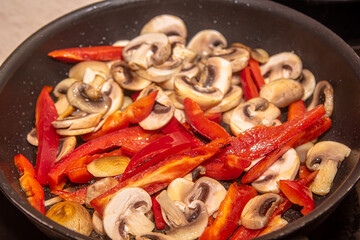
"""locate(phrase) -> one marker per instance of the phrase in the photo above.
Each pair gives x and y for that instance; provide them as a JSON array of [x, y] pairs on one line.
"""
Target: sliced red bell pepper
[[304, 171], [200, 123], [135, 95], [159, 220], [77, 170], [33, 189], [155, 152], [308, 179], [312, 132], [243, 233], [97, 53], [298, 194], [215, 117], [296, 109], [160, 175], [114, 122], [130, 139], [175, 126], [256, 73], [229, 214], [141, 108], [76, 196], [248, 85], [45, 114]]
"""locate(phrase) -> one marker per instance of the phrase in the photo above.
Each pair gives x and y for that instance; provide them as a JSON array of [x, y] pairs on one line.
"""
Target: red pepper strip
[[130, 139], [45, 114], [175, 126], [97, 53], [135, 95], [243, 233], [248, 85], [229, 214], [296, 109], [304, 171], [114, 122], [298, 194], [155, 152], [215, 117], [77, 196], [256, 74], [160, 175], [33, 189], [159, 220], [77, 170], [200, 123], [312, 132], [141, 108]]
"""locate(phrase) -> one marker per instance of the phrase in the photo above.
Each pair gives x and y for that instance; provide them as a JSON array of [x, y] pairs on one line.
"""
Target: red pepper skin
[[175, 126], [296, 109], [248, 85], [215, 117], [298, 194], [129, 139], [256, 73], [33, 189], [155, 152], [77, 196], [312, 132], [97, 53], [159, 220], [45, 114], [202, 124], [304, 171], [243, 233], [229, 214], [157, 177], [141, 108], [114, 122]]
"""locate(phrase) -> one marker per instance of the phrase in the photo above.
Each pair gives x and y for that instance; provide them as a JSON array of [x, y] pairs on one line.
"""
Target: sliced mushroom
[[98, 224], [170, 25], [231, 99], [80, 122], [121, 43], [323, 88], [31, 137], [115, 93], [282, 65], [257, 211], [256, 111], [74, 132], [147, 50], [285, 168], [173, 99], [179, 188], [180, 115], [98, 188], [154, 236], [63, 107], [325, 156], [108, 166], [125, 213], [66, 145], [209, 191], [96, 68], [302, 151], [127, 101], [307, 80], [274, 224], [259, 55], [226, 116], [205, 41], [238, 57], [63, 86], [190, 70], [282, 92]]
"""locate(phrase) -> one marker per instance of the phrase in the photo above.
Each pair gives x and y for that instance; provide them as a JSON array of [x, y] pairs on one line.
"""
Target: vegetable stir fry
[[165, 139]]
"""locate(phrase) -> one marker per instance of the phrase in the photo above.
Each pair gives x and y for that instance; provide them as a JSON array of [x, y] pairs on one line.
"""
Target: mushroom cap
[[170, 25], [99, 68], [99, 187], [179, 188], [231, 100], [63, 86], [205, 41], [237, 56], [302, 151]]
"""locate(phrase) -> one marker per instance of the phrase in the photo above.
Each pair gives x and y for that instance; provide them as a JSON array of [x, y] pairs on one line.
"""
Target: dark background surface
[[342, 17]]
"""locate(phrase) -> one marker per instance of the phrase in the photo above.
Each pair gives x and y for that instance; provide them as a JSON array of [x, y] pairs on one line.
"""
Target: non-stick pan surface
[[252, 22]]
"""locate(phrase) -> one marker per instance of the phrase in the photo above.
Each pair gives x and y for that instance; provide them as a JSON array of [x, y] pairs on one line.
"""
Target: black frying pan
[[252, 22]]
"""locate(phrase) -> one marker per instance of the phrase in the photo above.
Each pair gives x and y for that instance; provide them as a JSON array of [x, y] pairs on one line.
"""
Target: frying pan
[[254, 23]]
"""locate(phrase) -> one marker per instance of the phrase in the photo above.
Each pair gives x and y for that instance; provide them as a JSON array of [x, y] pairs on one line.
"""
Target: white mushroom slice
[[285, 168], [179, 188], [147, 50], [75, 132], [115, 93], [66, 145], [325, 156], [173, 99], [205, 41], [323, 88], [98, 188], [125, 213], [98, 224], [308, 81], [257, 210], [127, 101], [282, 92], [170, 25], [158, 75], [235, 79], [226, 116], [31, 137], [209, 191], [121, 43], [197, 221], [62, 105], [190, 70], [282, 65], [81, 122], [97, 68], [180, 115], [238, 57], [231, 99], [302, 151], [62, 87], [256, 111], [154, 236], [259, 55]]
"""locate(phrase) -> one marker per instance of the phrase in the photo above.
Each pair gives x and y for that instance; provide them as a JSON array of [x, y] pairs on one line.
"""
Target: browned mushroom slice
[[231, 99], [31, 137], [325, 156], [62, 87], [238, 57], [282, 65], [98, 224], [80, 122], [323, 88], [63, 107], [66, 145], [282, 92], [307, 80], [259, 55], [205, 41], [108, 166], [91, 68]]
